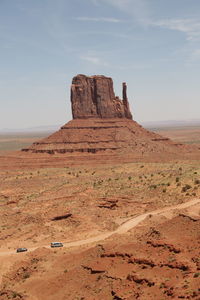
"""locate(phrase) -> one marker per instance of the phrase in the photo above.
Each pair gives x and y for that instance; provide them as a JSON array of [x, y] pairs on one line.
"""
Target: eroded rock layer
[[95, 135]]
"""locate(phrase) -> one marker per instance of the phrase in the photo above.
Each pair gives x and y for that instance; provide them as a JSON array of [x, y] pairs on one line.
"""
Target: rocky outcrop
[[102, 123], [94, 97]]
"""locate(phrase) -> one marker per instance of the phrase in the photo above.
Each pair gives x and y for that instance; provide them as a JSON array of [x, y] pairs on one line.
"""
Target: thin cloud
[[138, 9], [94, 60], [89, 19], [142, 13], [190, 27]]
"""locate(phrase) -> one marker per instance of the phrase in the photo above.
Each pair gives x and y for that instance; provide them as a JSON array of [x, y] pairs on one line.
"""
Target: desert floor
[[130, 230]]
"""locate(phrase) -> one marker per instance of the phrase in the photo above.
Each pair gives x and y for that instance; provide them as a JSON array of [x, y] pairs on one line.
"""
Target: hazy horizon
[[154, 46], [147, 124]]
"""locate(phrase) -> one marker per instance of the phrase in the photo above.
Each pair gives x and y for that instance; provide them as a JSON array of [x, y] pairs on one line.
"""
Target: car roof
[[56, 243]]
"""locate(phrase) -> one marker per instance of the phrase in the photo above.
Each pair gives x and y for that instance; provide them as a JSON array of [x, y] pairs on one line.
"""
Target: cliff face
[[94, 97]]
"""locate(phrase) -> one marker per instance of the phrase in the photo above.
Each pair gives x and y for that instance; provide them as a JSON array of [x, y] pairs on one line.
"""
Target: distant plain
[[16, 141]]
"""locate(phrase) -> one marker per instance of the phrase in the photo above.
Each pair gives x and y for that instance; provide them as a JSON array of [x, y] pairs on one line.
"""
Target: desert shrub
[[185, 188], [164, 190], [197, 181], [197, 275], [15, 295], [129, 177], [153, 186], [26, 275], [168, 184], [177, 179]]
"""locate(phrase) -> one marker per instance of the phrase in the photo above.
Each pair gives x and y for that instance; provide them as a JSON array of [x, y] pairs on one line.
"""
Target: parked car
[[21, 250], [56, 244]]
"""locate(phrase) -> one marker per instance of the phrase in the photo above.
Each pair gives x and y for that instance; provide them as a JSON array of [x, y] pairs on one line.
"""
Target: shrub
[[185, 188], [26, 275], [197, 181], [15, 295], [153, 186]]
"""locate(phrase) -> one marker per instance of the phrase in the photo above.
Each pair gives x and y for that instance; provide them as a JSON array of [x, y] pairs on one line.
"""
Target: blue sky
[[153, 45]]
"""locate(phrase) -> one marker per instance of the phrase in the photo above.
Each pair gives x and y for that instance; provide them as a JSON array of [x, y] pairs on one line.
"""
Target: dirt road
[[126, 226]]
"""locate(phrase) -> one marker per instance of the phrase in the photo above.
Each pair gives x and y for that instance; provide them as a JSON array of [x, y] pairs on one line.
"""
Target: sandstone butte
[[102, 122]]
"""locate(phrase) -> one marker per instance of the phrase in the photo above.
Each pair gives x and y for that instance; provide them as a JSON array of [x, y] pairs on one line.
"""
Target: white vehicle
[[21, 250], [56, 244]]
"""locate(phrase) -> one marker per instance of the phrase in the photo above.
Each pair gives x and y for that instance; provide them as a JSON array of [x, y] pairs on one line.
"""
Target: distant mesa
[[102, 122]]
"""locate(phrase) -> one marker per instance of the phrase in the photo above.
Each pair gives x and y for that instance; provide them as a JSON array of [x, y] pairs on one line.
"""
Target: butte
[[102, 123]]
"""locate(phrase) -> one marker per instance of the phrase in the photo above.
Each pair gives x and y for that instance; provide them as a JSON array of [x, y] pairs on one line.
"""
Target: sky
[[153, 45]]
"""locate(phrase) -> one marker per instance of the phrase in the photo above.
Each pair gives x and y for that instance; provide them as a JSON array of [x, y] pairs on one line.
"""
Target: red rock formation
[[94, 97], [102, 123]]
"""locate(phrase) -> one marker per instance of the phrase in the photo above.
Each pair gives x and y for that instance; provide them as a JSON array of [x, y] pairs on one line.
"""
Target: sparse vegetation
[[186, 187]]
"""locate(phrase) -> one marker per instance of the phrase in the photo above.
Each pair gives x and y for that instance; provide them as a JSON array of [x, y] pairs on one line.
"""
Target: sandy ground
[[121, 224]]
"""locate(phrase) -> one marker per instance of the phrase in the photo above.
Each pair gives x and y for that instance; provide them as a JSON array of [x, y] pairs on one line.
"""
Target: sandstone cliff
[[94, 97]]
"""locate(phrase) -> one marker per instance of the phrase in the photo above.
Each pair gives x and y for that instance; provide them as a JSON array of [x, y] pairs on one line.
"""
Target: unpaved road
[[123, 228]]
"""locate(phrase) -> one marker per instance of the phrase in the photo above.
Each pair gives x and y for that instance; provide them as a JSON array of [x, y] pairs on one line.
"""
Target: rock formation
[[94, 97], [102, 123]]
